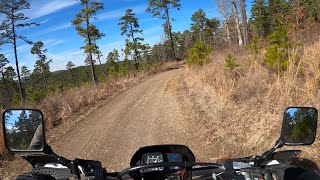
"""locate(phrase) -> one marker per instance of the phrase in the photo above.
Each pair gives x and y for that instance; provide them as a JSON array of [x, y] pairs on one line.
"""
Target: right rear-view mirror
[[23, 130], [299, 126]]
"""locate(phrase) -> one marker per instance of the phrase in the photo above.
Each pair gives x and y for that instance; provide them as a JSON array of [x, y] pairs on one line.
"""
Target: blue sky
[[63, 43], [14, 118]]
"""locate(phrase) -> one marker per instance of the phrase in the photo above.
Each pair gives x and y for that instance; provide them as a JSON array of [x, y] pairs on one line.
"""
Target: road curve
[[147, 114]]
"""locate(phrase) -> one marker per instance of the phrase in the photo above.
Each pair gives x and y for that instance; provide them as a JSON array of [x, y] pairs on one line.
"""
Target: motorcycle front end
[[24, 133]]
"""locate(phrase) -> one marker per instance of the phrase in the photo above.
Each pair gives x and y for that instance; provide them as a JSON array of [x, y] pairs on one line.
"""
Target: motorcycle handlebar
[[204, 171], [256, 170]]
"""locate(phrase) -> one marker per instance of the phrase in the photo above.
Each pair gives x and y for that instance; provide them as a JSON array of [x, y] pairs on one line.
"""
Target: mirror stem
[[266, 155]]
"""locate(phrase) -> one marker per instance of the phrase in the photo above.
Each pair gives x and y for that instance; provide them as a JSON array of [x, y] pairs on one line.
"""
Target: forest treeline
[[275, 25]]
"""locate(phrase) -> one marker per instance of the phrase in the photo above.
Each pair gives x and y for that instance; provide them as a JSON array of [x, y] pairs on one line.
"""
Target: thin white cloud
[[52, 42], [24, 48], [27, 47], [59, 27], [42, 7], [24, 55], [112, 45], [152, 30], [120, 12], [77, 52], [61, 59], [44, 21], [152, 40]]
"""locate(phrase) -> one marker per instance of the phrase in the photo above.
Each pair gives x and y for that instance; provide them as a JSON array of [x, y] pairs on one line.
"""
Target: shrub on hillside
[[198, 54], [35, 95], [124, 68], [231, 62], [112, 71], [276, 57], [254, 46]]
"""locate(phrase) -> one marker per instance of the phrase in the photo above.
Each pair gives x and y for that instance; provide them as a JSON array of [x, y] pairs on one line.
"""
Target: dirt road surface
[[147, 114]]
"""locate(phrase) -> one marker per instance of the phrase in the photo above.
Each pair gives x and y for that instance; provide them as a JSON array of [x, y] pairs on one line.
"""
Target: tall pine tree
[[259, 20], [198, 24], [3, 62], [14, 19], [130, 26], [41, 67], [160, 8], [88, 30]]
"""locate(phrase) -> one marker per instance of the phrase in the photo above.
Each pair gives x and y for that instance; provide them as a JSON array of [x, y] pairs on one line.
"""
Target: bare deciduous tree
[[235, 14], [244, 21], [224, 7]]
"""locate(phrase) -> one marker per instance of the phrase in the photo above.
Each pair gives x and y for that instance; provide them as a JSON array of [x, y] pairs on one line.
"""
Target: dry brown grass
[[61, 107], [242, 109]]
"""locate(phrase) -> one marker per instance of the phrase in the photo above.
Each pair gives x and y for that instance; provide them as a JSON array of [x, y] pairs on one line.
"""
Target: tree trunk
[[99, 59], [235, 14], [135, 45], [223, 8], [94, 78], [170, 33], [204, 40], [16, 56], [244, 21], [227, 31], [44, 78]]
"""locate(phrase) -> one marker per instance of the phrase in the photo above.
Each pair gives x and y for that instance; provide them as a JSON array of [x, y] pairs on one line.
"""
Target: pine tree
[[311, 8], [89, 31], [42, 64], [70, 65], [14, 19], [9, 73], [112, 59], [99, 55], [278, 10], [130, 26], [187, 41], [25, 72], [3, 63], [178, 44], [259, 18], [160, 8], [198, 24], [211, 29]]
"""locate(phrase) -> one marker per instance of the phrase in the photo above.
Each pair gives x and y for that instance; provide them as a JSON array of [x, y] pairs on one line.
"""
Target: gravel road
[[147, 114]]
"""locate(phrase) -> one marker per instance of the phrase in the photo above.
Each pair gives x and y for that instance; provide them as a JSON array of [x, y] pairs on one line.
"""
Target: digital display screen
[[152, 158]]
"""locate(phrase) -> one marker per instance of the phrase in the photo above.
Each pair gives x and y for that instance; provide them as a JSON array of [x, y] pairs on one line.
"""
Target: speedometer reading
[[152, 158]]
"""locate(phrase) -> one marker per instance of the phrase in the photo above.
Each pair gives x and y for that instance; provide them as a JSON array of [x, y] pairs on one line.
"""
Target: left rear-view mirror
[[23, 130]]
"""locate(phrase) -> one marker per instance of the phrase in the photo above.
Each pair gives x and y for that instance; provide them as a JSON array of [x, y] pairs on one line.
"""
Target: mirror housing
[[23, 130], [299, 126]]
